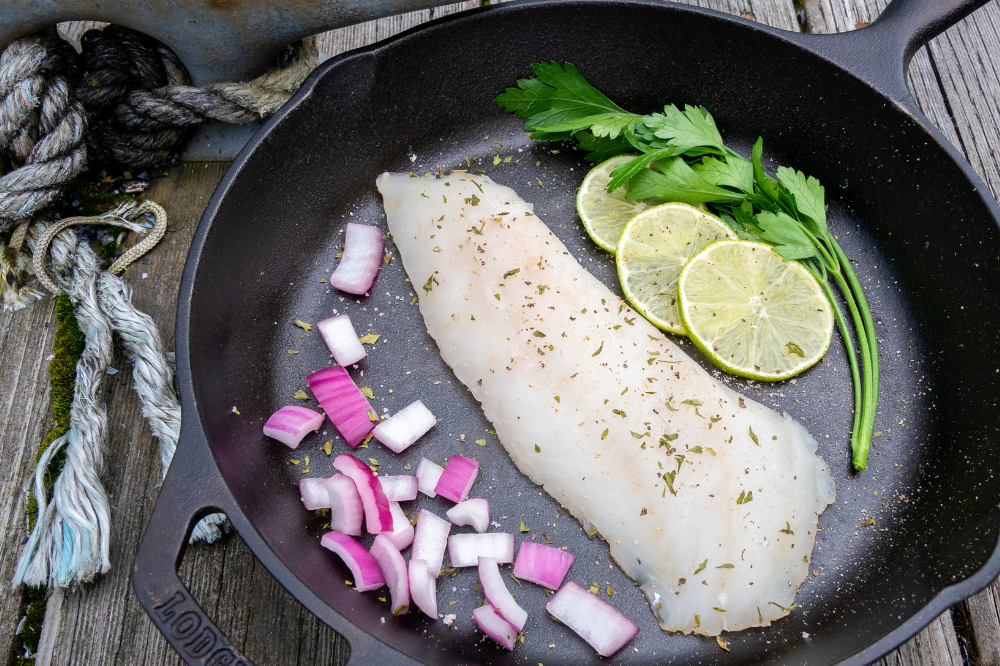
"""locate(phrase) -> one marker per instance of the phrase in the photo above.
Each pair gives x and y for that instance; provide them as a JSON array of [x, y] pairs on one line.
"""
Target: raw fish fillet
[[707, 499]]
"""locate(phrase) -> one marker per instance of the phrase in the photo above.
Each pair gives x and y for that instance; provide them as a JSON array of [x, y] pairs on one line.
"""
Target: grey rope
[[71, 539], [154, 379]]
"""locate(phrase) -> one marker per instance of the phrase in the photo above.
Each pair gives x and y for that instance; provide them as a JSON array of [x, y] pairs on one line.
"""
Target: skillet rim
[[889, 83]]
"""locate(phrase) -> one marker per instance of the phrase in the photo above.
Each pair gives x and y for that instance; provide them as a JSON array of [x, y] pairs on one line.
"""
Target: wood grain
[[955, 82]]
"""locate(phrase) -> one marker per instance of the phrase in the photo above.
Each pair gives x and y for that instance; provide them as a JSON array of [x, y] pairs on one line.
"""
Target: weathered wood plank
[[25, 342], [104, 624]]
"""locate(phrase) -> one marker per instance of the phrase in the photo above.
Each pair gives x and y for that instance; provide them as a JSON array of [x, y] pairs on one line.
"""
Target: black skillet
[[906, 206]]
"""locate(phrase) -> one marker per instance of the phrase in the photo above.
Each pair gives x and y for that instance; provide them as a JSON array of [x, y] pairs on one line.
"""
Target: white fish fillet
[[578, 385]]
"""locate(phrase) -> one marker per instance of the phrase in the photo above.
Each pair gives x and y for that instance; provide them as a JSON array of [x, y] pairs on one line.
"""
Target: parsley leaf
[[559, 95], [676, 181], [787, 236], [734, 172], [809, 196], [692, 128]]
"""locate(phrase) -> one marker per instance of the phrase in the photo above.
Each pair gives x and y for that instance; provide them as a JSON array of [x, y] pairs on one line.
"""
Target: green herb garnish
[[690, 163]]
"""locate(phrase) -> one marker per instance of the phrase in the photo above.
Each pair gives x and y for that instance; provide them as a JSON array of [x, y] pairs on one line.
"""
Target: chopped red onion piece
[[430, 540], [405, 427], [394, 571], [313, 494], [339, 336], [495, 626], [475, 512], [541, 564], [399, 488], [595, 620], [464, 550], [362, 256], [290, 424], [497, 594], [343, 402], [378, 517], [457, 479], [346, 508], [402, 531], [428, 474], [423, 587], [365, 569]]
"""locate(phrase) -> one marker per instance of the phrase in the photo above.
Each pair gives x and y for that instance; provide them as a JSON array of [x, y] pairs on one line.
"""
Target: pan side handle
[[184, 499], [912, 23], [193, 489]]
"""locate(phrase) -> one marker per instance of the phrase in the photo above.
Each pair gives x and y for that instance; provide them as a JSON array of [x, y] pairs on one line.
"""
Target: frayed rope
[[69, 544]]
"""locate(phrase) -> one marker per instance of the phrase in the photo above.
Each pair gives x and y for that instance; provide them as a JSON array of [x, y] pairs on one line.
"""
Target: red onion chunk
[[362, 256], [475, 512], [595, 620], [339, 336], [464, 550], [542, 565], [402, 531], [343, 402], [378, 516], [497, 594], [365, 569], [423, 587], [405, 427], [346, 508], [430, 540], [495, 626], [399, 488], [290, 424], [313, 494], [428, 474], [457, 479], [394, 571]]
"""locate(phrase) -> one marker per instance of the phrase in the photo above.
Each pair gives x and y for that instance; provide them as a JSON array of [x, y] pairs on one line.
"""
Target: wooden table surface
[[956, 81]]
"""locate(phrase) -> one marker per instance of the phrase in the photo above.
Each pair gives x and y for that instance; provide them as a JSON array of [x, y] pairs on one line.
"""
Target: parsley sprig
[[682, 157]]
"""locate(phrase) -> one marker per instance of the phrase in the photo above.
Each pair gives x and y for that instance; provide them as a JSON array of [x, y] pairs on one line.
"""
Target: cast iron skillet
[[906, 206]]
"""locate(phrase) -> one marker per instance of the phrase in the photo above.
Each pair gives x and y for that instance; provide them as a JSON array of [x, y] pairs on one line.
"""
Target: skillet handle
[[880, 52], [912, 23], [185, 498]]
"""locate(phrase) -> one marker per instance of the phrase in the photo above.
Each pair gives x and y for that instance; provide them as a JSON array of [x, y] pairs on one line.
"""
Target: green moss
[[66, 351], [31, 630]]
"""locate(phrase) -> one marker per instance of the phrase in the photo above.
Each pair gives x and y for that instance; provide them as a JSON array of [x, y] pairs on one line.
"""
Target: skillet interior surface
[[926, 247]]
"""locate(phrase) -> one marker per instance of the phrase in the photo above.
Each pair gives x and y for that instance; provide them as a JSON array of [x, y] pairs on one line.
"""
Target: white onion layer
[[405, 427], [362, 256], [497, 594], [346, 508], [495, 626], [399, 488], [394, 571], [474, 512], [313, 494], [464, 550], [402, 531], [430, 540], [428, 474], [339, 336], [423, 587], [595, 620]]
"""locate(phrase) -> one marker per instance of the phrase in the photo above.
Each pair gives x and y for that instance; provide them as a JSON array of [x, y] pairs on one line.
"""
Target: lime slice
[[652, 250], [753, 313], [605, 214]]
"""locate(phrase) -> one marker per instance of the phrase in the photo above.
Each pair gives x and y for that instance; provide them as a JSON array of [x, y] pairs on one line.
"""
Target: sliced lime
[[753, 313], [604, 214], [653, 248]]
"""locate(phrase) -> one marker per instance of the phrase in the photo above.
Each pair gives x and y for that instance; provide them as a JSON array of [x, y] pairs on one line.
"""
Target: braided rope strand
[[154, 379], [71, 541]]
